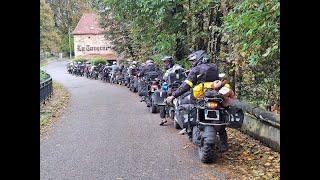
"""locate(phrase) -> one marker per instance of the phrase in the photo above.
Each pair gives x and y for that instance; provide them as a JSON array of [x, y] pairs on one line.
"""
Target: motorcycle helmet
[[149, 61], [227, 86], [114, 62], [198, 57], [168, 61]]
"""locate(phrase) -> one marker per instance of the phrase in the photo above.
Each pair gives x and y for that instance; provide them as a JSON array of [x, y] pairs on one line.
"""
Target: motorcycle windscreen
[[236, 118]]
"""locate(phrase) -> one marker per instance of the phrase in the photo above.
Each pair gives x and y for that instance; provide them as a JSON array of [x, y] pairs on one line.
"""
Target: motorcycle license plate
[[211, 115]]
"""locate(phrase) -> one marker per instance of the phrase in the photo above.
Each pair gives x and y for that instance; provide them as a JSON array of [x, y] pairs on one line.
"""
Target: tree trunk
[[210, 41], [224, 7], [200, 40], [217, 34], [180, 51]]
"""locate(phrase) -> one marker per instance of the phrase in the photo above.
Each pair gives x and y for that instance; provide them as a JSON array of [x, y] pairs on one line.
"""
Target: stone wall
[[268, 134]]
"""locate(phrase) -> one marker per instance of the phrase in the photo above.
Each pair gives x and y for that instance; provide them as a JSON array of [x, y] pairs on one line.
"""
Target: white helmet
[[114, 62], [149, 61], [134, 62]]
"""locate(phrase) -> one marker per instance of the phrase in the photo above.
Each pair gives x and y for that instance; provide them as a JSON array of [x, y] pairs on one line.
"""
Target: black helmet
[[198, 57], [170, 61]]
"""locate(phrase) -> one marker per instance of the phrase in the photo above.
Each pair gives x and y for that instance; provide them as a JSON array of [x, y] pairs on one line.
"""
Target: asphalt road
[[107, 133]]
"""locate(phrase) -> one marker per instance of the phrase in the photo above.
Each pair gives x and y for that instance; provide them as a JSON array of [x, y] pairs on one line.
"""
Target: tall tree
[[67, 14], [242, 37], [49, 38]]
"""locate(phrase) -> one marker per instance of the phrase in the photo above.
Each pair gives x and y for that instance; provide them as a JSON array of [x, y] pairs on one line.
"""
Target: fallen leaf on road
[[271, 157], [267, 164], [248, 158], [184, 147]]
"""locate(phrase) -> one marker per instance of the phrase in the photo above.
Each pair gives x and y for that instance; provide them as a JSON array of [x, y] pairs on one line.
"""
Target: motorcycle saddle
[[152, 74]]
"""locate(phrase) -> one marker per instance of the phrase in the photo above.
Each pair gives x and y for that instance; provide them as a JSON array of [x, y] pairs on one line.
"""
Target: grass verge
[[53, 108]]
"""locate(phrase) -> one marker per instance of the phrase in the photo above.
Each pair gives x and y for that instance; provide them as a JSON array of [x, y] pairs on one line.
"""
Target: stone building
[[89, 40]]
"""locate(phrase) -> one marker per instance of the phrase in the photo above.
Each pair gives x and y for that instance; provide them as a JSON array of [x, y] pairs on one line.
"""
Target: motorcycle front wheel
[[176, 125], [162, 112]]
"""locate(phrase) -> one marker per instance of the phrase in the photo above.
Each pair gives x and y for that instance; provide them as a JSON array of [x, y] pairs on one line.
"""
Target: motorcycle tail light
[[212, 105]]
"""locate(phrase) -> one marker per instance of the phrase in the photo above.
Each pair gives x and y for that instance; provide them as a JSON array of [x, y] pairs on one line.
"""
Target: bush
[[157, 60], [80, 59], [43, 75], [185, 63], [97, 60]]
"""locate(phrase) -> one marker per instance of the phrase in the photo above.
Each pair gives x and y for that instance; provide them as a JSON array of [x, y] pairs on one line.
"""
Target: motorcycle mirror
[[177, 76], [222, 75]]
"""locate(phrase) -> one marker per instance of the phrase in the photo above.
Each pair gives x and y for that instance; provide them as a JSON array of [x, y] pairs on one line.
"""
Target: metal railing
[[46, 89]]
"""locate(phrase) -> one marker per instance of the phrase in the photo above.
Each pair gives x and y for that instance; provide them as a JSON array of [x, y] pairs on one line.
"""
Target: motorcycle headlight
[[212, 105]]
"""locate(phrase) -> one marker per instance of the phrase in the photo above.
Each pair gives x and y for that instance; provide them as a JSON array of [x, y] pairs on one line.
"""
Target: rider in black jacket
[[202, 71], [148, 67]]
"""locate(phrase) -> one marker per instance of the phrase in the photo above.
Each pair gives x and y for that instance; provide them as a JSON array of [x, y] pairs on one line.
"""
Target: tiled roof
[[88, 24]]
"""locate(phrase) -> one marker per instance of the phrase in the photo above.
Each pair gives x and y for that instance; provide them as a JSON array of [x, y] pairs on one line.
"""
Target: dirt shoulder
[[248, 158]]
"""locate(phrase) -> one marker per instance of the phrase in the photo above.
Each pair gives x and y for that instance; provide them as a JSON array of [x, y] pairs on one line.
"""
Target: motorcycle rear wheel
[[206, 153], [135, 90], [206, 149], [153, 109], [152, 106]]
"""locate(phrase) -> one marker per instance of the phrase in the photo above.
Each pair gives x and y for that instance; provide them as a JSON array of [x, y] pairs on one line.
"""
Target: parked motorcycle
[[114, 77], [127, 80], [175, 79], [133, 84], [106, 76], [203, 117], [87, 71], [151, 85], [69, 68]]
